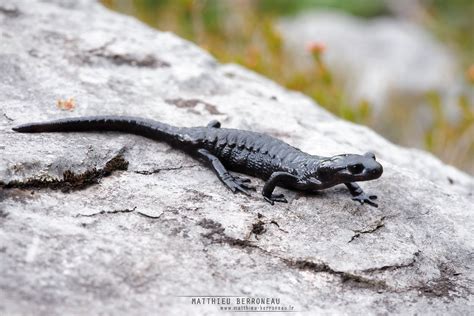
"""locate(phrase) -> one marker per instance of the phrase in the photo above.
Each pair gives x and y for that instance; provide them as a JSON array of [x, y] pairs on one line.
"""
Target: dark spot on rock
[[230, 75], [192, 103], [68, 4], [198, 196], [258, 228], [3, 216], [70, 181], [450, 180], [9, 10], [216, 235], [33, 53], [210, 224], [148, 61], [54, 37], [443, 286]]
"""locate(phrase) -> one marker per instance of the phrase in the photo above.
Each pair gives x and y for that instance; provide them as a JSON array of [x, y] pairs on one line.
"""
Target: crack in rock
[[7, 117], [108, 212], [393, 267], [216, 235], [71, 181], [443, 286], [354, 279], [150, 216], [158, 170], [168, 210], [373, 228], [132, 210]]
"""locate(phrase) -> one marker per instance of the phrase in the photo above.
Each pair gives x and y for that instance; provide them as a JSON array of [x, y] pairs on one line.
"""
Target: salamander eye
[[355, 169]]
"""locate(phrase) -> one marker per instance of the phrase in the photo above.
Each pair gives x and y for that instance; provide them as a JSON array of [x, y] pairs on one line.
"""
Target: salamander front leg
[[359, 195], [234, 183], [275, 179]]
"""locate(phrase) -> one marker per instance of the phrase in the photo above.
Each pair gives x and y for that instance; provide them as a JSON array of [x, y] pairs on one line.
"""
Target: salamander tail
[[126, 124]]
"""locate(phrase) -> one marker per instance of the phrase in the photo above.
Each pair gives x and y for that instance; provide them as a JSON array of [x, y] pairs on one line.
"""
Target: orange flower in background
[[316, 48], [68, 104], [470, 73]]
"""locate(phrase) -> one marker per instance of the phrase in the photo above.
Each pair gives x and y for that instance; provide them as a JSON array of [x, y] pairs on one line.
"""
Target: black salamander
[[255, 154]]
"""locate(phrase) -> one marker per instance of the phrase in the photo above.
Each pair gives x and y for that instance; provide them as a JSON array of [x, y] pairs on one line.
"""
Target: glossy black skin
[[247, 152]]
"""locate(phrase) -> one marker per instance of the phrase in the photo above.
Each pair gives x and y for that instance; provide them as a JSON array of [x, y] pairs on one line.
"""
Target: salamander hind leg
[[214, 124], [234, 183]]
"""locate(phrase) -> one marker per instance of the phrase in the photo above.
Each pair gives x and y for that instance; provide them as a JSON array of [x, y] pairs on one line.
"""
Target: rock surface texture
[[118, 224]]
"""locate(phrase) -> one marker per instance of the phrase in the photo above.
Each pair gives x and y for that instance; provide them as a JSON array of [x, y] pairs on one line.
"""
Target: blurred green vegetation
[[365, 8], [453, 22], [242, 31]]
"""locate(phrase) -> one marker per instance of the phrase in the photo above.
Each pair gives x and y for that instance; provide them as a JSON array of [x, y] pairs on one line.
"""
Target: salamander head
[[349, 168]]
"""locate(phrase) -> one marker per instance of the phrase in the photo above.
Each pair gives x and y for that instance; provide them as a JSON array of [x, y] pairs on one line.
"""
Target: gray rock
[[118, 224]]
